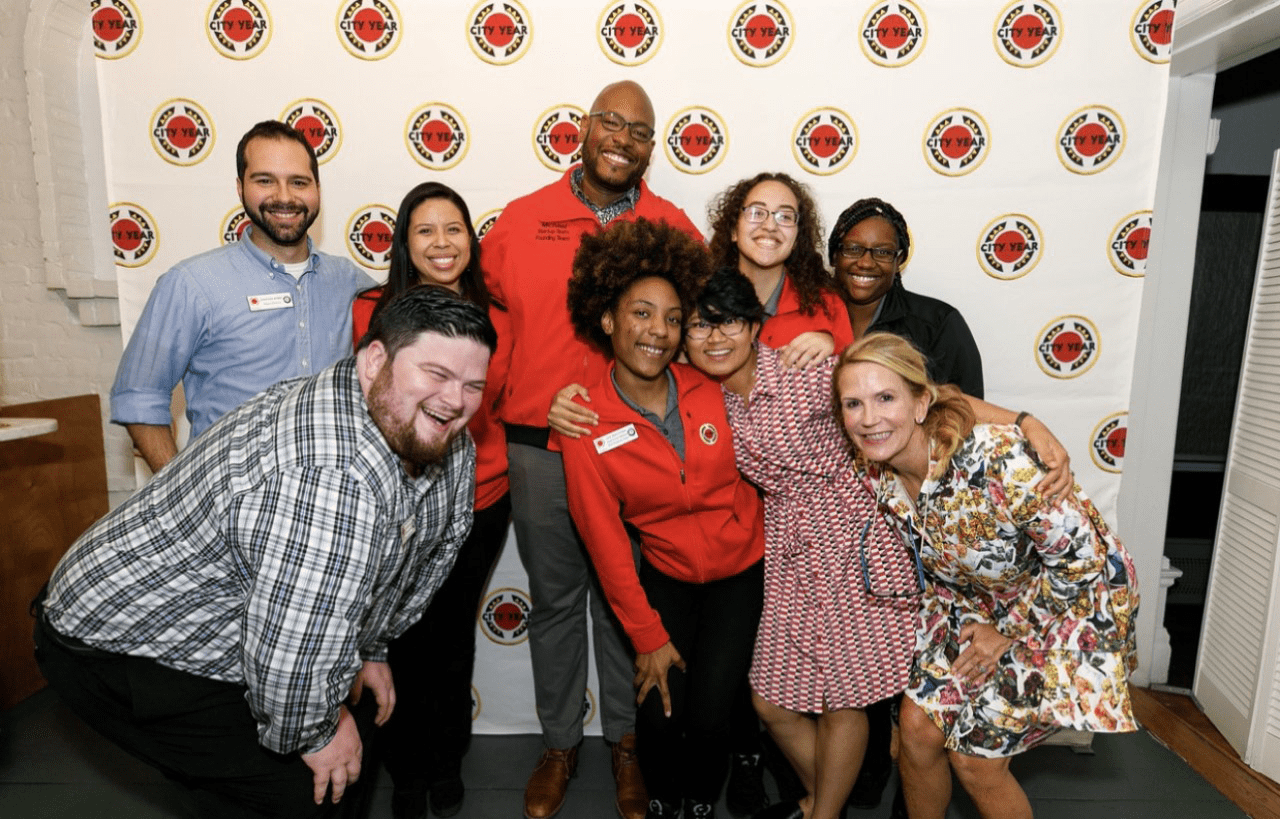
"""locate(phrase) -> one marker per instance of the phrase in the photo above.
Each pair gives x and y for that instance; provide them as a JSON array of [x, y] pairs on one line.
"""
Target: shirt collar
[[263, 258], [610, 211], [673, 401]]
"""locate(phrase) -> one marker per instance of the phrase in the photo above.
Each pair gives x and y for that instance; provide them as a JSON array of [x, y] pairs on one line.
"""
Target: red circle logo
[[133, 234], [893, 34], [1027, 34], [1009, 246], [233, 225], [499, 31], [239, 29], [1091, 139], [697, 140], [369, 233], [760, 33], [1129, 244], [318, 123], [369, 29], [437, 136], [1068, 347], [1151, 30], [824, 141], [1109, 438], [956, 142], [116, 28], [182, 132], [504, 616], [629, 33], [555, 136]]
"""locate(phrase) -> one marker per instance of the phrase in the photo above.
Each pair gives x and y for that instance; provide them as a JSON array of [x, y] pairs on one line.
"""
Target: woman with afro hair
[[660, 461]]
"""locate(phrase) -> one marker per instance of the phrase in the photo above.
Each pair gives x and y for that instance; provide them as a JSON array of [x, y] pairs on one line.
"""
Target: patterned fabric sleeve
[[308, 533]]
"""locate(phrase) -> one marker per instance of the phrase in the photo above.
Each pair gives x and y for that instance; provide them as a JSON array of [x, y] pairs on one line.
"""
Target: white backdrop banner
[[1019, 139]]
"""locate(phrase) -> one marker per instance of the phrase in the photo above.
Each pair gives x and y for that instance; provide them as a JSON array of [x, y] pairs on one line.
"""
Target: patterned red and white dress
[[823, 643]]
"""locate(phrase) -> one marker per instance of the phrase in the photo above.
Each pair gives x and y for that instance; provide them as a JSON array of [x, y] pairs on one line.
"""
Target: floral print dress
[[1053, 578]]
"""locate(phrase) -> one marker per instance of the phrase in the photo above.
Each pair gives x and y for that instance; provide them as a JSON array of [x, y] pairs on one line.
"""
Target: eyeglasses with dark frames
[[698, 330], [613, 121], [880, 254], [913, 547]]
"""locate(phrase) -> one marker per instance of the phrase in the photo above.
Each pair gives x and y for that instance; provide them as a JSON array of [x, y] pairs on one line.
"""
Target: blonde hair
[[949, 418]]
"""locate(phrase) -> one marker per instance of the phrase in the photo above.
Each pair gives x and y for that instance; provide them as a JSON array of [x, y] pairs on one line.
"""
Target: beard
[[261, 220], [399, 433]]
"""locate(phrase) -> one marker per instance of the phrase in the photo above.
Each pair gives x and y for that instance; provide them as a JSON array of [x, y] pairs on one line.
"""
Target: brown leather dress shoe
[[544, 795], [633, 799]]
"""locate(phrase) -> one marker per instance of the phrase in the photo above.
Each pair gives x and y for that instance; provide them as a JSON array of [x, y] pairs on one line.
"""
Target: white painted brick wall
[[45, 349]]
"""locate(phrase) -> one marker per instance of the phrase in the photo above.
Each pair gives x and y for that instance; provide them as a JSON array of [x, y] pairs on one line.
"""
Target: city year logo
[[499, 32], [697, 140], [504, 616], [1129, 243], [1009, 246], [1090, 139], [824, 141], [485, 221], [437, 136], [232, 226], [318, 123], [956, 142], [1027, 34], [1067, 347], [588, 706], [1151, 30], [116, 27], [133, 234], [369, 29], [629, 33], [893, 34], [182, 132], [555, 136], [369, 234], [1108, 442], [476, 707], [239, 29], [760, 33]]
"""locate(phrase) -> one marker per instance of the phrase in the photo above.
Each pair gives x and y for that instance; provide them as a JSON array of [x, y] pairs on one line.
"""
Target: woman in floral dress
[[1026, 621]]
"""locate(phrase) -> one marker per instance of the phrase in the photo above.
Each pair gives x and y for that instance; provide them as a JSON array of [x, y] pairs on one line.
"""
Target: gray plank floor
[[53, 767]]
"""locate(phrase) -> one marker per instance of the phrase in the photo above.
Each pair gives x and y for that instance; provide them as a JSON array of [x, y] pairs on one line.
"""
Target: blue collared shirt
[[228, 324]]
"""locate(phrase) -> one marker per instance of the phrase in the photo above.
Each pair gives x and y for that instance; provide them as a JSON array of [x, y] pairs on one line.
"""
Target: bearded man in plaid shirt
[[223, 623]]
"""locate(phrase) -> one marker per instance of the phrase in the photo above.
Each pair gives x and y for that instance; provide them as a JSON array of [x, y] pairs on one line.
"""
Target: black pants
[[713, 626], [432, 661], [195, 730]]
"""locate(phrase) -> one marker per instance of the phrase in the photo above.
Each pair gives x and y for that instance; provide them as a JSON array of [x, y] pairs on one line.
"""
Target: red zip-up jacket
[[831, 316], [528, 261], [699, 520]]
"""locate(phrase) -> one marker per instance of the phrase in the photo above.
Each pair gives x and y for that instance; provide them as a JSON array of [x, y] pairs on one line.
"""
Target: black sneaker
[[745, 795], [662, 810], [698, 810], [446, 796]]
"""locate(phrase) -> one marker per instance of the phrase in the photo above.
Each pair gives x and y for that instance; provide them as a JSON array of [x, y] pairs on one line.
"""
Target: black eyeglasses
[[698, 330], [880, 254], [782, 217], [613, 121], [883, 574]]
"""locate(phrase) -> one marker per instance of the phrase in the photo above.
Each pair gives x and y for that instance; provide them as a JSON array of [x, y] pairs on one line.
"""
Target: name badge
[[271, 301], [615, 439]]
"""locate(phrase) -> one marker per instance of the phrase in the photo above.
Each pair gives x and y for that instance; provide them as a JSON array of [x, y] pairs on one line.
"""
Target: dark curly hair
[[865, 209], [804, 266], [728, 295], [609, 262]]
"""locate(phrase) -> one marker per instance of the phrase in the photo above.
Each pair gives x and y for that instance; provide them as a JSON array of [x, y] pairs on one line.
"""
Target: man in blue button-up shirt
[[233, 321]]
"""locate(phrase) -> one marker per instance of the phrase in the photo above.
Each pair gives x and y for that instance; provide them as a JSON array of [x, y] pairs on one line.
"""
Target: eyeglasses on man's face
[[699, 329], [613, 121], [782, 217]]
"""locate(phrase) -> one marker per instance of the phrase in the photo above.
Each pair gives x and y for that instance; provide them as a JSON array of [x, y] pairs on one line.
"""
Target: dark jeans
[[195, 730], [713, 626], [432, 661]]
